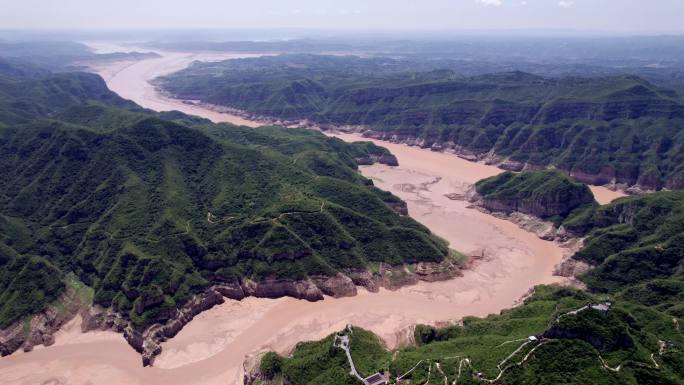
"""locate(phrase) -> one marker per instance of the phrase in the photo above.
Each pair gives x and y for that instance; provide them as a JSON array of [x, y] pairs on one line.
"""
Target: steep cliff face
[[541, 193], [39, 329], [634, 239]]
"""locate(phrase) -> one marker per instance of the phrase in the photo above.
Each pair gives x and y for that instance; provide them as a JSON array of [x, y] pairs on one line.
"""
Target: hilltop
[[544, 194]]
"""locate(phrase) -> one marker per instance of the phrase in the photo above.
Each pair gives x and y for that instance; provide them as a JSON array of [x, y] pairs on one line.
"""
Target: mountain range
[[156, 212], [607, 129]]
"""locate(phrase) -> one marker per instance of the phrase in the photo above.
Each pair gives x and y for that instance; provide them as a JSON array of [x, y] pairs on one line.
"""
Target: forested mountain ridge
[[28, 95], [630, 242], [55, 55], [615, 128], [160, 218]]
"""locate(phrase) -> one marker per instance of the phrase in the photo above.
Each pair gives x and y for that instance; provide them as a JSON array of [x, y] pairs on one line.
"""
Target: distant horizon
[[222, 34], [595, 16]]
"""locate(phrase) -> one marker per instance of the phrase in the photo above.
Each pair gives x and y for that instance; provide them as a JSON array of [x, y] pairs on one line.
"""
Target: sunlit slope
[[597, 129], [630, 241], [556, 336], [625, 329], [149, 211]]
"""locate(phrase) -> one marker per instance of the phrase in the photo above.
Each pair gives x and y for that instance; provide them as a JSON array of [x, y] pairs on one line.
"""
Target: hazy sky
[[595, 15]]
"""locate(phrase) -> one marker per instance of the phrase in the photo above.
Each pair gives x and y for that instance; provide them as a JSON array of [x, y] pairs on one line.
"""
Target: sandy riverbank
[[212, 348], [604, 195], [130, 79]]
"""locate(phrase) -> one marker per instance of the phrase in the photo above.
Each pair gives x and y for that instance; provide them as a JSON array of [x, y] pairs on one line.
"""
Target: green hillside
[[546, 194], [573, 343], [630, 241], [635, 240], [625, 329], [595, 129], [25, 98], [150, 212]]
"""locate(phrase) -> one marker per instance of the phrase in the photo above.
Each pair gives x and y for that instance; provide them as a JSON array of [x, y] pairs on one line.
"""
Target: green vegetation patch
[[572, 343], [635, 240], [599, 128], [548, 194], [149, 212]]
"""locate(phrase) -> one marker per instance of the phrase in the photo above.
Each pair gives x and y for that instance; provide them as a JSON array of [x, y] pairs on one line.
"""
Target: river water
[[212, 348]]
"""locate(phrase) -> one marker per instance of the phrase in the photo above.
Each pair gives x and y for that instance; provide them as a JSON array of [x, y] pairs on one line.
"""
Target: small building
[[376, 379], [601, 306]]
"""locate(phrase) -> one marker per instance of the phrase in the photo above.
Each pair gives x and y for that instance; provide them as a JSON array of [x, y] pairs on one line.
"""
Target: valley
[[214, 345], [297, 192], [591, 128]]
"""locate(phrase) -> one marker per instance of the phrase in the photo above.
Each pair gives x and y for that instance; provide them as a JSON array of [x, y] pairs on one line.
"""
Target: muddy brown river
[[212, 348]]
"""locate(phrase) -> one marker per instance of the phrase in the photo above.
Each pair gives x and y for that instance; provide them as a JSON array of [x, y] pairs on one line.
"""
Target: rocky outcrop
[[386, 159], [364, 278], [543, 229], [148, 342], [26, 334], [336, 286], [542, 194], [400, 207], [511, 165], [39, 329], [431, 272], [276, 288], [542, 206], [571, 267], [252, 372], [395, 277]]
